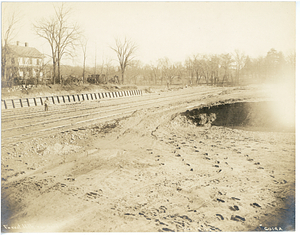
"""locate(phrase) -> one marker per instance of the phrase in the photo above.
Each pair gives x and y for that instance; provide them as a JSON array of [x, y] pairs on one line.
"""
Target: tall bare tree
[[9, 27], [61, 34], [67, 35], [46, 28], [125, 50], [83, 43]]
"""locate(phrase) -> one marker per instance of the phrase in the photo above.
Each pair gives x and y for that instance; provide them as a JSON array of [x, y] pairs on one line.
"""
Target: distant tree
[[214, 65], [239, 58], [125, 50], [189, 69], [154, 72], [197, 67], [248, 67], [291, 64], [168, 70], [226, 62], [135, 71], [108, 68]]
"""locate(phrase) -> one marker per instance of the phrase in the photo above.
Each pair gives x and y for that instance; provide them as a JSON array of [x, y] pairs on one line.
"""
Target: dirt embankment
[[155, 171], [49, 90]]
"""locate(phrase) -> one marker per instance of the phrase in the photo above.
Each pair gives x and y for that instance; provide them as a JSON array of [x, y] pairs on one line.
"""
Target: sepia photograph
[[143, 116]]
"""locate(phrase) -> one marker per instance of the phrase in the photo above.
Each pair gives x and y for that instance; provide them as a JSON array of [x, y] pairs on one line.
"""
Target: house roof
[[25, 51]]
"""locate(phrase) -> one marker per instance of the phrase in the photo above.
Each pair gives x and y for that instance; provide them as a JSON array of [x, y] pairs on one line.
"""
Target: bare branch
[[125, 52], [62, 36]]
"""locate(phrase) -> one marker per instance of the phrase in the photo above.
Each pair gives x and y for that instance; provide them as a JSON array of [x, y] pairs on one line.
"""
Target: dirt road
[[153, 171]]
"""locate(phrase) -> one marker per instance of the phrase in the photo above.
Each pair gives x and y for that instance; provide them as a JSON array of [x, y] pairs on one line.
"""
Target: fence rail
[[63, 99]]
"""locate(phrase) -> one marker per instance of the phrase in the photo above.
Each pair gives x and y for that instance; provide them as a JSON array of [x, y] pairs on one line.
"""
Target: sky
[[174, 30]]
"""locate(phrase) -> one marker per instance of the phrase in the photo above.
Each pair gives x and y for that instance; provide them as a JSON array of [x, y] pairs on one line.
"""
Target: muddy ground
[[157, 170]]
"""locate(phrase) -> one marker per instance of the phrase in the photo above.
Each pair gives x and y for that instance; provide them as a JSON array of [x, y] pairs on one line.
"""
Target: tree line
[[223, 69], [65, 37]]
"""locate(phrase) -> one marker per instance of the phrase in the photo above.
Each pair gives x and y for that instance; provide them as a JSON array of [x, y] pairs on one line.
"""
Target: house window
[[30, 60], [23, 60], [38, 61]]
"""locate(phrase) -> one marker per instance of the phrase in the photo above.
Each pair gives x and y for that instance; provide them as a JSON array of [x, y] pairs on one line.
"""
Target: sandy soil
[[50, 90], [154, 171]]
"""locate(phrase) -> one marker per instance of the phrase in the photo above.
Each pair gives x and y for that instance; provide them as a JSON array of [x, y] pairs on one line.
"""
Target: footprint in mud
[[179, 189], [70, 179], [220, 217], [94, 195], [237, 218], [129, 214], [234, 208], [280, 182], [162, 209], [255, 205], [220, 200], [235, 198], [167, 230]]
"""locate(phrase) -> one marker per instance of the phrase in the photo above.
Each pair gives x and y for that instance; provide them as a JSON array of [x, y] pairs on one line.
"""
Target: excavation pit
[[251, 116]]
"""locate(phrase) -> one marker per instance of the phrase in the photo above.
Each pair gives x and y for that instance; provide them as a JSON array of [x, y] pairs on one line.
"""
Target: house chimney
[[17, 43], [26, 44]]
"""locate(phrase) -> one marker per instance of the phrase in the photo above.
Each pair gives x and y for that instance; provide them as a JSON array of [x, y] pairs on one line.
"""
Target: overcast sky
[[169, 29]]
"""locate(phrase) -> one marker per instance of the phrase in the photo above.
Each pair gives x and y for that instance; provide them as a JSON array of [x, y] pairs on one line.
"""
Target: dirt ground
[[50, 90], [153, 171]]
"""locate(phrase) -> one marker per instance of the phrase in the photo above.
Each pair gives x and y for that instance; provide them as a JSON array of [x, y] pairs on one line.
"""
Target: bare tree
[[9, 26], [67, 35], [190, 70], [226, 62], [47, 29], [125, 50], [83, 44], [169, 70], [60, 34], [240, 59], [155, 72]]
